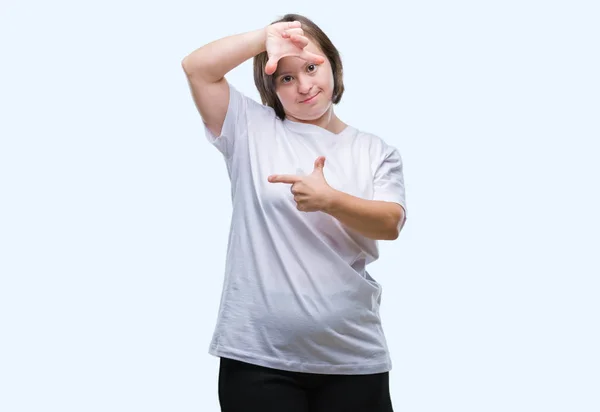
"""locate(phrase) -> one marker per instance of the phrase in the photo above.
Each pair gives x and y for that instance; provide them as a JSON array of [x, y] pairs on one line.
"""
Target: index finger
[[312, 57], [284, 179]]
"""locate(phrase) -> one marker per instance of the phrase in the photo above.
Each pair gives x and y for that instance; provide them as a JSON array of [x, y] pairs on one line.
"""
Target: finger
[[320, 163], [311, 57], [284, 179], [271, 65], [299, 41], [304, 207], [288, 33], [293, 24]]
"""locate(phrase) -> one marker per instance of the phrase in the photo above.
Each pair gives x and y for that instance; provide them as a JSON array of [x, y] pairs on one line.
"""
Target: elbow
[[185, 62], [187, 66], [396, 225], [393, 233], [191, 66]]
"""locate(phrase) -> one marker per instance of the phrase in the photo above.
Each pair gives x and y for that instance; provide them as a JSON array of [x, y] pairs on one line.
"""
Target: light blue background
[[114, 209]]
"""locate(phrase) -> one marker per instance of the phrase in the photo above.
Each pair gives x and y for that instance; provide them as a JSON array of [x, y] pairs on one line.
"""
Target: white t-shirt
[[296, 295]]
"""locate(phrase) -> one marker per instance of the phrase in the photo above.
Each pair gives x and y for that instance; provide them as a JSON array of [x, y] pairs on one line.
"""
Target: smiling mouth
[[310, 98]]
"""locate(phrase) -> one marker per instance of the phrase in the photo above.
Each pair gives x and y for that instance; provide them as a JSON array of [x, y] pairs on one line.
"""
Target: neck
[[328, 121]]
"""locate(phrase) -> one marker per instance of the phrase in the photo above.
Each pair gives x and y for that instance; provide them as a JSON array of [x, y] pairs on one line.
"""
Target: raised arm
[[207, 66]]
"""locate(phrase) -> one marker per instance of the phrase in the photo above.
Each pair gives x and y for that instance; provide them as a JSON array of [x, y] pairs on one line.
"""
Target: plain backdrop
[[114, 208]]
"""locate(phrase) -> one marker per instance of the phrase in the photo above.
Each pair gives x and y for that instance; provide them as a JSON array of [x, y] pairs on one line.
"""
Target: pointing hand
[[312, 192]]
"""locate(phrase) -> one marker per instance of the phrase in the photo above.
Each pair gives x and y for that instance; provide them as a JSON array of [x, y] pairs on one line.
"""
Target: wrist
[[332, 201], [261, 40]]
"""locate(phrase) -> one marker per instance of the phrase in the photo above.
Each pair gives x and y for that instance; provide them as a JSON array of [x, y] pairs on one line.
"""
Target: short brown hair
[[266, 84]]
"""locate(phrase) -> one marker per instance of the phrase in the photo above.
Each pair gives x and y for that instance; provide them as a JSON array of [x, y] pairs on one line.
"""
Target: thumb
[[320, 164], [271, 65]]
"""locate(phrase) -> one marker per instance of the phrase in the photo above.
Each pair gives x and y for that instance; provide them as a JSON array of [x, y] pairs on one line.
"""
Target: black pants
[[244, 387]]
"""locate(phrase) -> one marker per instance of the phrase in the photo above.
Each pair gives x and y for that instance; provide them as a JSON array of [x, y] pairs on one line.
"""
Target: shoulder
[[378, 147], [251, 105]]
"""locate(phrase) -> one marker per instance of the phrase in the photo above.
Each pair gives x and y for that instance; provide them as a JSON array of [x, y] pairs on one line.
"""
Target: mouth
[[310, 99]]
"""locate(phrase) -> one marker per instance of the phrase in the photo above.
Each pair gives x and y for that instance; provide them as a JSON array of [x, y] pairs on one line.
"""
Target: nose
[[304, 85]]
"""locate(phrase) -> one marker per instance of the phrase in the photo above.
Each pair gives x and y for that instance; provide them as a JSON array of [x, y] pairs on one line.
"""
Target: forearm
[[214, 60], [372, 218]]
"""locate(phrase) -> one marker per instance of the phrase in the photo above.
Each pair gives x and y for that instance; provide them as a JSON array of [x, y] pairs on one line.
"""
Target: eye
[[311, 67], [286, 79]]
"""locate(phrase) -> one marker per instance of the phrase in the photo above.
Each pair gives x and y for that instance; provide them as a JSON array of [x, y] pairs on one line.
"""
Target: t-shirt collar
[[300, 127]]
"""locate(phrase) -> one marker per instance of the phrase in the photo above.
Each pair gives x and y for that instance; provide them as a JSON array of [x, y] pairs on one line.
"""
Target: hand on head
[[287, 39]]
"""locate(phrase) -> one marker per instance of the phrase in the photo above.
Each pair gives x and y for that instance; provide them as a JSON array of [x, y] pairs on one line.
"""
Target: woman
[[298, 326]]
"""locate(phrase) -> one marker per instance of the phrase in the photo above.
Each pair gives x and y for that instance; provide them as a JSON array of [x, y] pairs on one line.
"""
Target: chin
[[309, 115]]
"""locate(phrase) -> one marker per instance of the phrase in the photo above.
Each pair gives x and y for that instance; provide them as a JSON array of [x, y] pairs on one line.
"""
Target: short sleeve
[[233, 125], [388, 180]]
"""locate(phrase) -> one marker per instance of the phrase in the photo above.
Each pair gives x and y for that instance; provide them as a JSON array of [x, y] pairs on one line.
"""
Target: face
[[304, 89]]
